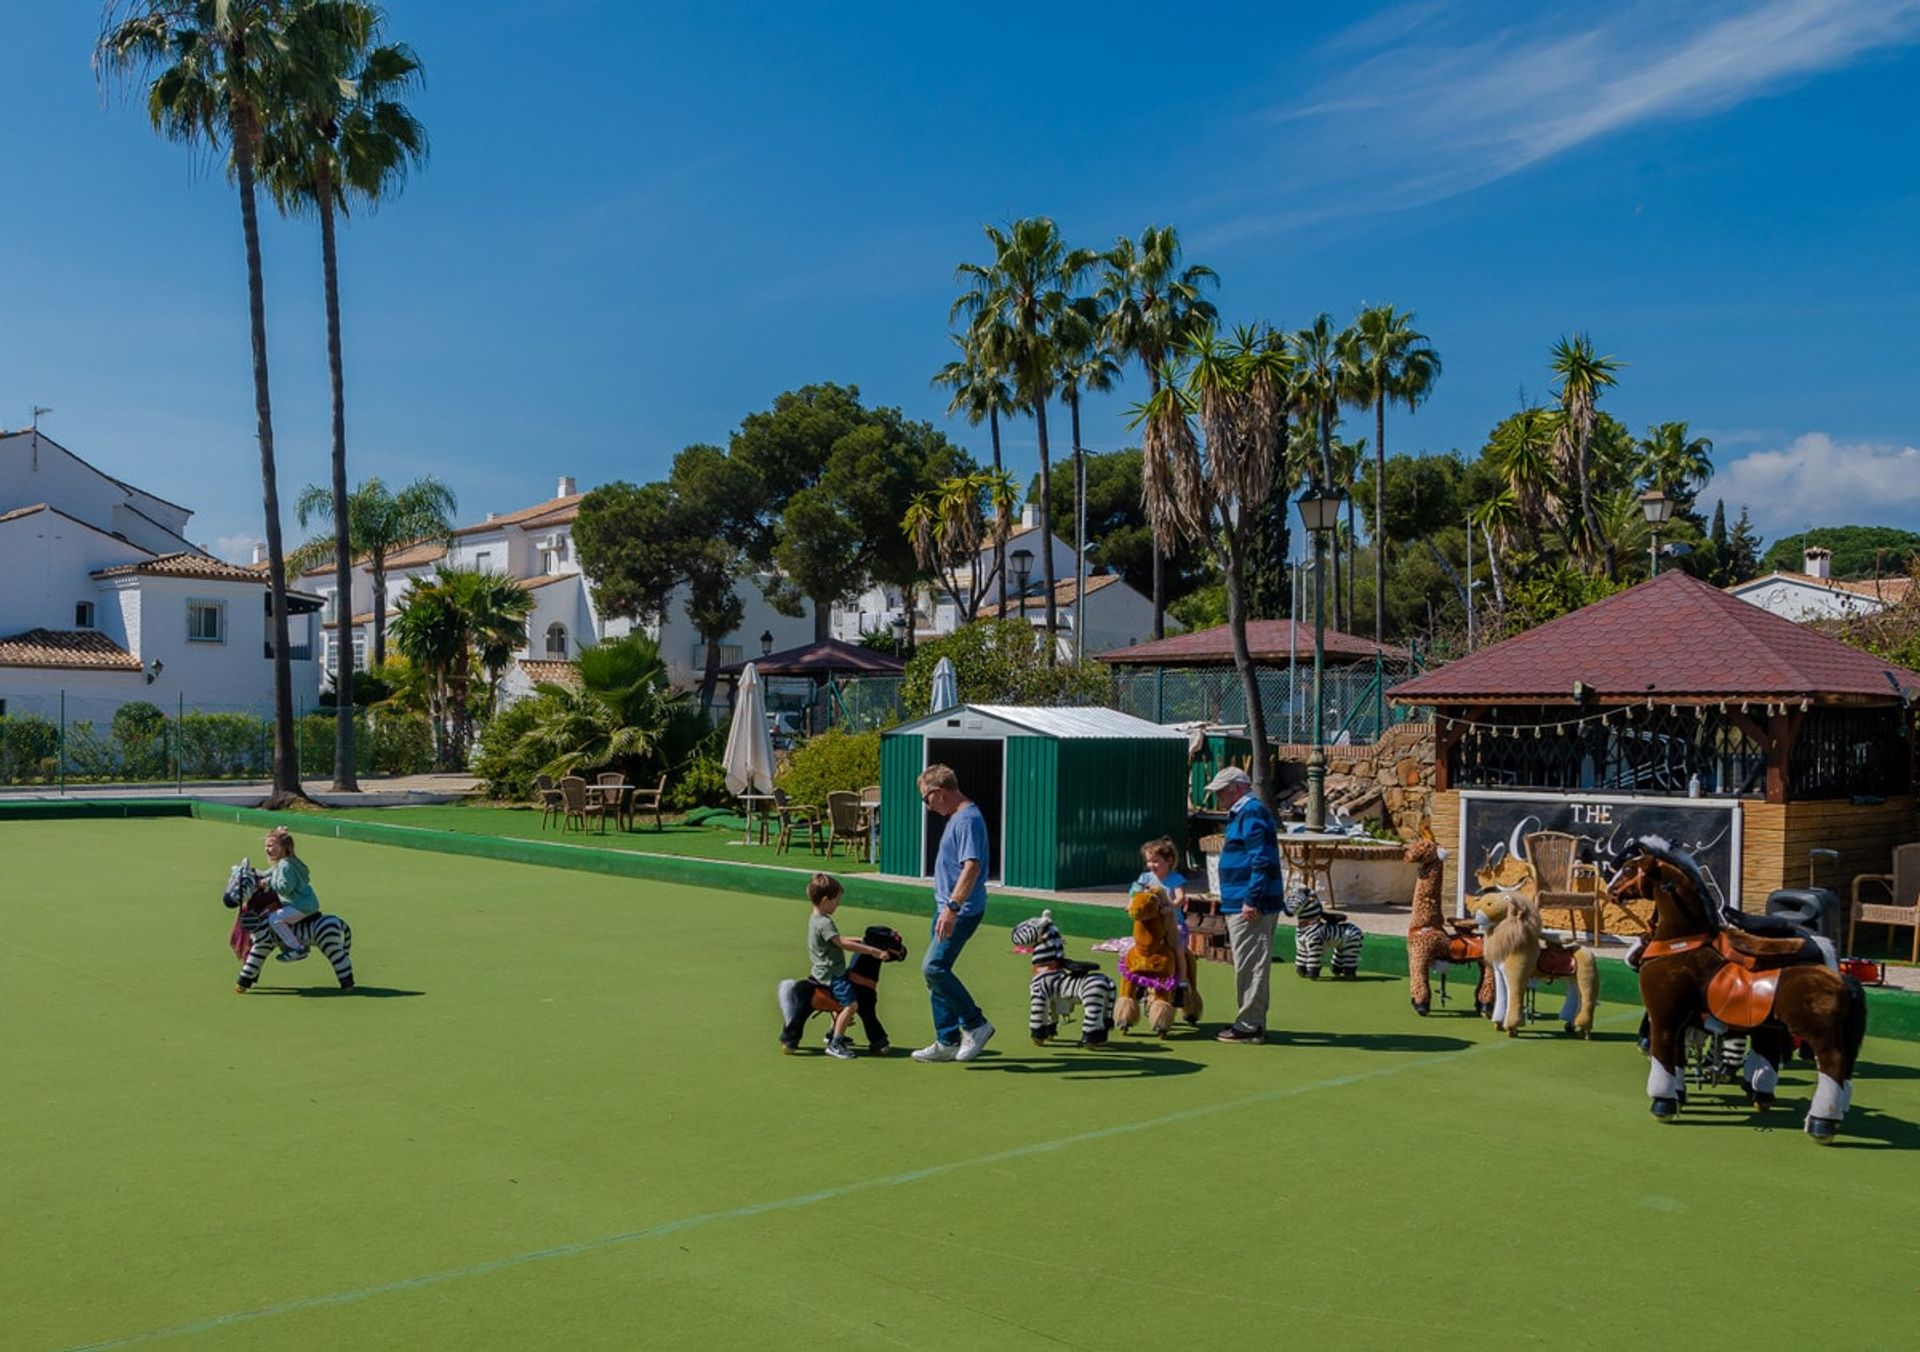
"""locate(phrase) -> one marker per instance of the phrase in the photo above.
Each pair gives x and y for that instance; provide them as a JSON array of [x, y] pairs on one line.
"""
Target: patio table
[[765, 813], [618, 794]]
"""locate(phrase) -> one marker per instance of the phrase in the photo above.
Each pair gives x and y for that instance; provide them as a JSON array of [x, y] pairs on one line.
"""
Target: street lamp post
[[1319, 513], [1022, 570], [899, 633], [1659, 510]]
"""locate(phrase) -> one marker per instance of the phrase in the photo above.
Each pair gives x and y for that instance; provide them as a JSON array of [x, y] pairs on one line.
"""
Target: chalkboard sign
[[1494, 826]]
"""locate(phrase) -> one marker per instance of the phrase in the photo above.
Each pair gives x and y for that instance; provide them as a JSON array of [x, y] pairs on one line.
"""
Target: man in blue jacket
[[1250, 897]]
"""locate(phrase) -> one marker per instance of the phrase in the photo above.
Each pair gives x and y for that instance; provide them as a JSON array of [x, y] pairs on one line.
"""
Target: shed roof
[[1269, 641], [1061, 724], [1670, 637], [828, 657]]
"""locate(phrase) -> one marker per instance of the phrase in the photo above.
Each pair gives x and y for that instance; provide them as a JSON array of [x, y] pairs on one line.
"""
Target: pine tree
[[1717, 546], [1743, 550]]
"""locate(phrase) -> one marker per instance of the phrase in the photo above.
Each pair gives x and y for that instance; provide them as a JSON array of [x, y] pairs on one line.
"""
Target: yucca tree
[[447, 624], [1210, 447], [215, 72], [1521, 448], [334, 144], [1392, 363], [1675, 461], [980, 393], [1583, 375], [380, 523], [1014, 307], [950, 523], [1153, 305]]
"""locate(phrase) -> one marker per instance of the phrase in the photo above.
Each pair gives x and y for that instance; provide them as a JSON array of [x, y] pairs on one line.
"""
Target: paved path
[[375, 791]]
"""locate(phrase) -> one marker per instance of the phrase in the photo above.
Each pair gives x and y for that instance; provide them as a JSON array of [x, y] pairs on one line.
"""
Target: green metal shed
[[1069, 795]]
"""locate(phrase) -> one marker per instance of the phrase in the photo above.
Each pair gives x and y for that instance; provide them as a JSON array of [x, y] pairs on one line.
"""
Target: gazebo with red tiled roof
[[817, 679], [1675, 690]]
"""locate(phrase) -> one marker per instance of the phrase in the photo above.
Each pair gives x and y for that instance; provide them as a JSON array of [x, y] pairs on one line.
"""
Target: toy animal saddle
[[1741, 993]]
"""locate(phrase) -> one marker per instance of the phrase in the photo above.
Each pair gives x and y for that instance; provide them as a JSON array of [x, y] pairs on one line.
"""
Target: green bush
[[831, 763], [508, 767], [29, 749], [89, 755], [1004, 662], [701, 782], [384, 743], [223, 746], [139, 731]]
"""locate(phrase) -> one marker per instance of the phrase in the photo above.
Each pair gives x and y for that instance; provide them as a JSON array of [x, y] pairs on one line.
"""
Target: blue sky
[[642, 222]]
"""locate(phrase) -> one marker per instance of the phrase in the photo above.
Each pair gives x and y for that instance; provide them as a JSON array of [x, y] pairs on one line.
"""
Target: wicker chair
[[1903, 888], [573, 793], [552, 806], [845, 826], [795, 816], [1559, 878], [647, 800]]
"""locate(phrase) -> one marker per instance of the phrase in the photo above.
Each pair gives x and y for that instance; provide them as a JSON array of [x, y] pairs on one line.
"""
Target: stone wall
[[1391, 779]]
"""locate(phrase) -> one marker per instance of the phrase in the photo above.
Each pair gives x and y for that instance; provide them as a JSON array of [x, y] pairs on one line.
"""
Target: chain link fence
[[67, 738], [1353, 698]]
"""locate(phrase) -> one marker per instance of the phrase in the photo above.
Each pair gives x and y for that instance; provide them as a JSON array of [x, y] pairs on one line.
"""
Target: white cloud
[[234, 548], [1819, 481], [1422, 104]]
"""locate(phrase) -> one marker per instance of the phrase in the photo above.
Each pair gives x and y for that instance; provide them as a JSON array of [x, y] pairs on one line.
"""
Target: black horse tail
[[1856, 1026]]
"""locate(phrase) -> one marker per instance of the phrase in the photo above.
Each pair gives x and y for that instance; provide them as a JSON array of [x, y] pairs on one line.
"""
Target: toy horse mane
[[1663, 852], [1518, 929], [1041, 938]]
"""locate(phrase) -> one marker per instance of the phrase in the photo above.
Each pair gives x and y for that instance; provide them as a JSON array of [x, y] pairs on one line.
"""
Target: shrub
[[701, 782], [507, 766], [1004, 662], [29, 749], [392, 743], [90, 755], [223, 746], [831, 763], [139, 732]]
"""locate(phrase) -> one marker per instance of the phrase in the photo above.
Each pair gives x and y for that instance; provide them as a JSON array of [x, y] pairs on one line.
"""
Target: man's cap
[[1233, 774]]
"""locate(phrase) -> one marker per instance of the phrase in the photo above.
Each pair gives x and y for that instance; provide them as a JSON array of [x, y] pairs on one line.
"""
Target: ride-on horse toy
[[1518, 953], [1694, 965], [253, 938]]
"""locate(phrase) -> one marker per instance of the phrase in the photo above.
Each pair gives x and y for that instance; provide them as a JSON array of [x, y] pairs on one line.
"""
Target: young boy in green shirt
[[827, 968]]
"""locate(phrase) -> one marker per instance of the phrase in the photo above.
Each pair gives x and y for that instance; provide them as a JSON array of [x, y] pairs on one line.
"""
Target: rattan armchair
[[795, 817], [1903, 907], [1561, 881]]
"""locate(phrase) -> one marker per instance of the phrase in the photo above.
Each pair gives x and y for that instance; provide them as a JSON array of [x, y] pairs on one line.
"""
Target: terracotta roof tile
[[79, 649], [549, 672], [184, 565], [408, 556], [553, 512], [545, 580], [1062, 595], [1267, 640], [1672, 636]]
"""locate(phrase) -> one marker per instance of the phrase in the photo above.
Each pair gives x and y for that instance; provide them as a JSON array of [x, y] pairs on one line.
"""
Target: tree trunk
[[710, 676], [822, 618], [1379, 518], [999, 539], [1159, 559], [1046, 527], [1243, 660], [1353, 551], [378, 565], [344, 778], [286, 765], [1079, 531], [1327, 481]]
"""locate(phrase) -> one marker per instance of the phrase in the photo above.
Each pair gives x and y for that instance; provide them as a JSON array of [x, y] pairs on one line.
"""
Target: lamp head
[[766, 642], [1657, 506], [1320, 507]]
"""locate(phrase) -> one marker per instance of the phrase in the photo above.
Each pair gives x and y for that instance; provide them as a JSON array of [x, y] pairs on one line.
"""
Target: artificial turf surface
[[555, 1116]]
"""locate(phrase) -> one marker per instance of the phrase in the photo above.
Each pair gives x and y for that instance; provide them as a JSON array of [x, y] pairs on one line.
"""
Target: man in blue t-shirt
[[960, 1030], [1250, 898]]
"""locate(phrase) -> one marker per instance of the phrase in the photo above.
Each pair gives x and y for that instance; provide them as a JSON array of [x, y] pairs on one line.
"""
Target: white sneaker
[[973, 1041], [937, 1051]]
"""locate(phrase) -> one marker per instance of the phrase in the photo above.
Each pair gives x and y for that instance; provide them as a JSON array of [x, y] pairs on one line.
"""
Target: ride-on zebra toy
[[253, 938]]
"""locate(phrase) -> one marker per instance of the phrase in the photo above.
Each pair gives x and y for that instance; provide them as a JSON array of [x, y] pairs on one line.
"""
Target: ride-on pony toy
[[253, 938]]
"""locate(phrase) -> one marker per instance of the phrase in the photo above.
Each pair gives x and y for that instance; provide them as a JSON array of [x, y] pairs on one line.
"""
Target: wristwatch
[[954, 907]]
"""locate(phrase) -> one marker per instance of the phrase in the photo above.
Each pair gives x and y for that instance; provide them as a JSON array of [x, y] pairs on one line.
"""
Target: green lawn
[[696, 842], [555, 1116]]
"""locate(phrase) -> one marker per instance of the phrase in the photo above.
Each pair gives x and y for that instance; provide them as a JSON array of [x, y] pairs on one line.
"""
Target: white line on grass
[[805, 1199]]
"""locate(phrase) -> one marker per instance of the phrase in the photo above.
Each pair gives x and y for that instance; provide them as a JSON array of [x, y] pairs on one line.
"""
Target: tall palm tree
[[1086, 363], [380, 523], [1153, 305], [1320, 384], [1393, 363], [1583, 375], [1014, 307], [355, 141], [981, 393], [218, 70], [1209, 488], [1675, 461]]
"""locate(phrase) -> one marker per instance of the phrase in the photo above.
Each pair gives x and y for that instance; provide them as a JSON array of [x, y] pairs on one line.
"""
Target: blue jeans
[[953, 1008]]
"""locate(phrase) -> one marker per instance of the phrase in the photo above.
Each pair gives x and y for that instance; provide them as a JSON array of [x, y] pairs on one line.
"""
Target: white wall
[[36, 469], [234, 674], [1800, 601], [45, 560]]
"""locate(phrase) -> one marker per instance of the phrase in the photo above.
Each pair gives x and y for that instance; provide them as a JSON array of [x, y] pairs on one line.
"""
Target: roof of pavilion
[[1671, 638], [1269, 641], [829, 657]]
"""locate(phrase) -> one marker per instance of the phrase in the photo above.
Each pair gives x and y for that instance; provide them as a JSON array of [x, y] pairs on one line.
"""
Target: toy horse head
[[888, 941], [242, 882], [1041, 938], [1655, 871], [1424, 853]]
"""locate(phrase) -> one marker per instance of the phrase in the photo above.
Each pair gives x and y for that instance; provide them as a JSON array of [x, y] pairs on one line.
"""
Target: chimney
[[567, 489], [1819, 562], [1029, 515], [259, 553]]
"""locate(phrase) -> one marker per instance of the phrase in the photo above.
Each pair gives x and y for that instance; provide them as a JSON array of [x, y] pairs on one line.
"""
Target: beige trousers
[[1251, 934]]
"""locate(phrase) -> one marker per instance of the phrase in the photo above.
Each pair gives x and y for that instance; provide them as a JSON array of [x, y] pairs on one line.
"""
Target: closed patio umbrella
[[749, 758], [946, 686]]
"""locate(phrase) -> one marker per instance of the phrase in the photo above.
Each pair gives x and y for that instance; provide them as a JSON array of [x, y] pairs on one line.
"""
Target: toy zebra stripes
[[1321, 930], [1060, 983], [247, 892]]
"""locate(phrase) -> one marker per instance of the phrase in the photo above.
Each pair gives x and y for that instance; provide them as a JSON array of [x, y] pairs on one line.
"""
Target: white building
[[534, 546], [106, 602], [1117, 615], [1815, 594]]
